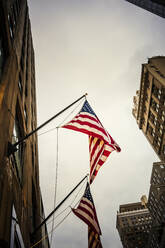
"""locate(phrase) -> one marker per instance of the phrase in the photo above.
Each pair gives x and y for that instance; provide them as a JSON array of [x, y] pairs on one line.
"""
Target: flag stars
[[88, 195], [87, 108]]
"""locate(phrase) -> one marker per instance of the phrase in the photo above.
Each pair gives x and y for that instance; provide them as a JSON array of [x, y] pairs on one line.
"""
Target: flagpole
[[43, 222], [12, 147]]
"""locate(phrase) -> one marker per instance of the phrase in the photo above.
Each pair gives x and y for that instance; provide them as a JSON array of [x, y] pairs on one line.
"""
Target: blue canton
[[88, 194], [87, 108]]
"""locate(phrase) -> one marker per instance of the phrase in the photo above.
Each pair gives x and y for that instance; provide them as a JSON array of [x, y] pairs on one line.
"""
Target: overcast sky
[[93, 46]]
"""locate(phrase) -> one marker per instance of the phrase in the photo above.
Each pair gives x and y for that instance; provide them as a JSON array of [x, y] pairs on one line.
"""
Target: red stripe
[[85, 220], [82, 130], [93, 118], [113, 147], [106, 153], [97, 158], [84, 210], [91, 138], [91, 237], [96, 145], [86, 203], [87, 123], [90, 125]]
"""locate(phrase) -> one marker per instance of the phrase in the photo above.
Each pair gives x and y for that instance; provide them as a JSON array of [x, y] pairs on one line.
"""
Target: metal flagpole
[[13, 147], [43, 222]]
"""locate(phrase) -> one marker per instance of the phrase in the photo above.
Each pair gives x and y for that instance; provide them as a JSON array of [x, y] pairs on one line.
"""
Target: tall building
[[21, 209], [149, 104], [156, 205], [154, 6], [133, 224]]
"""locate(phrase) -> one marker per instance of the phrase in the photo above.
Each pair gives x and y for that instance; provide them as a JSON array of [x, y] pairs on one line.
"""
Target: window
[[153, 104], [11, 27], [143, 121], [26, 90], [146, 97], [155, 90], [25, 114], [34, 207], [18, 155], [20, 85], [16, 240], [1, 56], [150, 129]]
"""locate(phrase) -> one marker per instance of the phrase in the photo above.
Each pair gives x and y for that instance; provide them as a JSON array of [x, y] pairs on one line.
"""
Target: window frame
[[15, 231]]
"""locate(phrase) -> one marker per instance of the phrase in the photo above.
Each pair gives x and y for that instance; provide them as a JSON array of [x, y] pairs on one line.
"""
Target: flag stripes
[[93, 239], [90, 126], [101, 144], [86, 211]]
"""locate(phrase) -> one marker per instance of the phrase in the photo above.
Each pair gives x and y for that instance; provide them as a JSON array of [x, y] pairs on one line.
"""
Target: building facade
[[154, 6], [21, 209], [156, 205], [133, 224], [149, 104]]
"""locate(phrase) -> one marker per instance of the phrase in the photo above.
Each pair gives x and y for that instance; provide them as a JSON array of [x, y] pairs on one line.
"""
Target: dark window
[[153, 104], [11, 27], [20, 85], [1, 56], [34, 206], [16, 241], [25, 115], [155, 90], [18, 155]]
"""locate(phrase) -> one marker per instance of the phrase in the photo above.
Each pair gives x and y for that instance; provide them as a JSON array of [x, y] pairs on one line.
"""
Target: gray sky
[[93, 46]]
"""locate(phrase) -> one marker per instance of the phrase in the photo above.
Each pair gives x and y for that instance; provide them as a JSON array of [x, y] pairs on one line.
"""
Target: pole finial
[[86, 94]]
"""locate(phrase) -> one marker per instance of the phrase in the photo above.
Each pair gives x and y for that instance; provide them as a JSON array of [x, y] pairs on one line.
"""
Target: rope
[[53, 228], [46, 236], [55, 189], [71, 113], [52, 129]]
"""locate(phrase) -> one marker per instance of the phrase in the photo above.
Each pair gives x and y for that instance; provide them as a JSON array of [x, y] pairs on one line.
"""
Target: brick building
[[156, 205], [133, 224], [21, 209], [149, 104]]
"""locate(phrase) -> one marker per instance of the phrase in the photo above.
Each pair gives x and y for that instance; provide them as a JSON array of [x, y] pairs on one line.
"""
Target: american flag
[[86, 211], [93, 239], [101, 144]]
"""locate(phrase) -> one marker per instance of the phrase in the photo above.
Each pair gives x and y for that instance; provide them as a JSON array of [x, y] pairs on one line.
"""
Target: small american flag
[[93, 239], [86, 211], [101, 144]]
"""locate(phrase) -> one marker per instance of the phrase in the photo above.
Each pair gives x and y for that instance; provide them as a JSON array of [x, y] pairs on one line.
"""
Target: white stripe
[[88, 201], [87, 217], [103, 158], [89, 129], [96, 123], [95, 165], [87, 208], [98, 167], [95, 154], [109, 148], [81, 118]]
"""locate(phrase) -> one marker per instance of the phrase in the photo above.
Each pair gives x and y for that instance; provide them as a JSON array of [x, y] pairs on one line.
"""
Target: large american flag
[[86, 211], [101, 144]]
